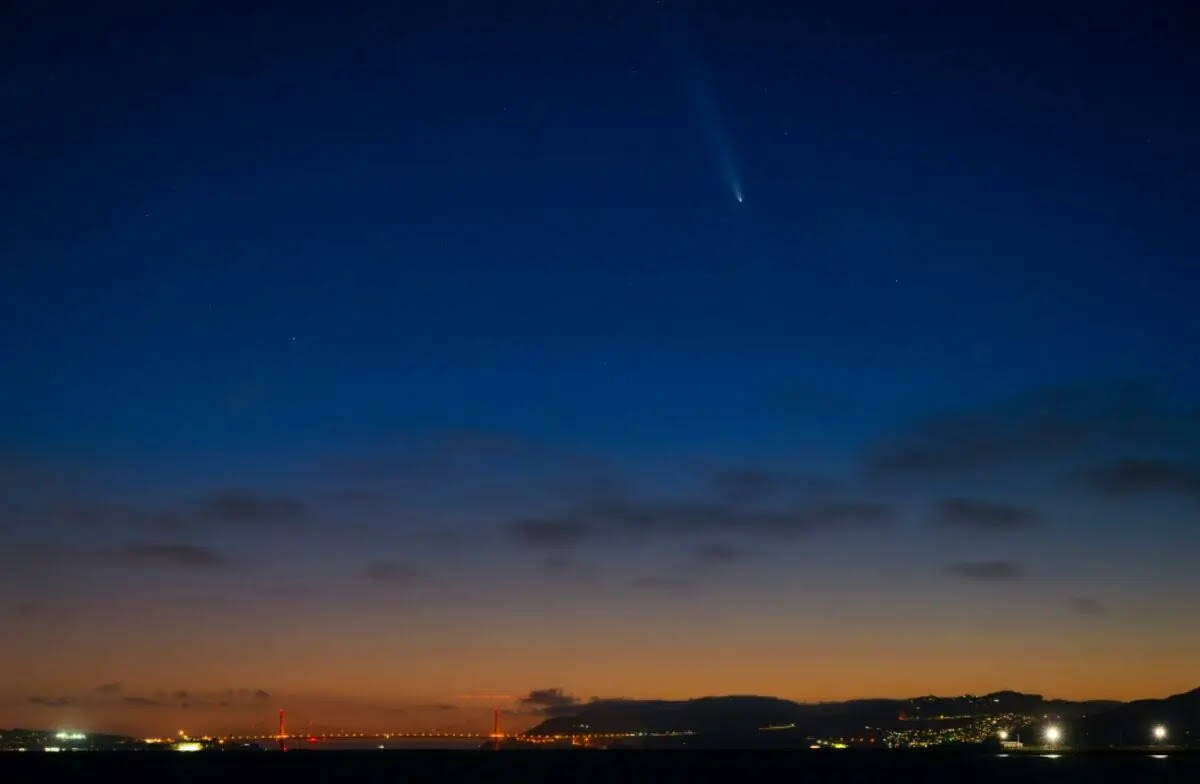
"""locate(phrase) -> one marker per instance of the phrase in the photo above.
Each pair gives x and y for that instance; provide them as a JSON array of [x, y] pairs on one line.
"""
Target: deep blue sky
[[465, 294]]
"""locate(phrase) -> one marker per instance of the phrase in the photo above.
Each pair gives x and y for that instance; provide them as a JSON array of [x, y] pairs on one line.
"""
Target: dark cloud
[[1126, 477], [1086, 605], [566, 567], [95, 516], [1047, 424], [548, 533], [110, 694], [960, 454], [443, 455], [662, 584], [186, 698], [361, 497], [437, 706], [976, 515], [758, 485], [985, 570], [74, 513], [625, 520], [29, 609], [469, 443], [236, 507], [745, 484], [244, 507], [552, 702], [718, 554], [184, 556], [699, 517], [390, 572]]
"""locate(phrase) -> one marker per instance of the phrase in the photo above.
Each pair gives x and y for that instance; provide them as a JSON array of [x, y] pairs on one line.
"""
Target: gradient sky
[[386, 364]]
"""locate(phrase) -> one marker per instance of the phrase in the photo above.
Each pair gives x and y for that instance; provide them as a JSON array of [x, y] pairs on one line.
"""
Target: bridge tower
[[497, 732]]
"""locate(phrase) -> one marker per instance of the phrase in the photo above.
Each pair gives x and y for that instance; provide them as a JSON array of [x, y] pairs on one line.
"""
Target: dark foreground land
[[657, 767]]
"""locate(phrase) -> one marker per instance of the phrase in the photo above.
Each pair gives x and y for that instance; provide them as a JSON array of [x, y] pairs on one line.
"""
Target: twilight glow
[[390, 368]]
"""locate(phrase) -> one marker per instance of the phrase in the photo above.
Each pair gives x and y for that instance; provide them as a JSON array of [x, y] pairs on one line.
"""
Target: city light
[[189, 746], [1160, 732], [70, 736], [1053, 734]]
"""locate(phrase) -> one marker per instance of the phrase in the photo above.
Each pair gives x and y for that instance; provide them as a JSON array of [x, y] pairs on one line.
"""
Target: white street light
[[1160, 732], [1053, 734], [1003, 734]]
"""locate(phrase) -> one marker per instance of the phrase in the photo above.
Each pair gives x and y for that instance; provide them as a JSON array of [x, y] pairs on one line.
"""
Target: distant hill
[[704, 715], [1134, 722], [747, 720]]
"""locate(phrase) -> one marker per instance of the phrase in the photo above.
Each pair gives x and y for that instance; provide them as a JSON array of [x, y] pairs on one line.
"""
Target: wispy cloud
[[718, 554], [985, 570], [1130, 476], [661, 583], [1044, 425], [548, 533], [977, 515], [622, 520], [567, 567], [390, 572], [248, 508], [186, 556]]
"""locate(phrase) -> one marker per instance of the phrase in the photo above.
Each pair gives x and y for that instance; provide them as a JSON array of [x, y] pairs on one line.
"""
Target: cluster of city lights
[[64, 735], [1052, 734]]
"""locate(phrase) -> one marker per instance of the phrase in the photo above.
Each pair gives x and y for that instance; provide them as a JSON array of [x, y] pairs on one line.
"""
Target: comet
[[715, 131], [705, 107]]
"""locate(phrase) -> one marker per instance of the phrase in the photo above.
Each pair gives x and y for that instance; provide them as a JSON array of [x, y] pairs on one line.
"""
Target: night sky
[[388, 363]]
